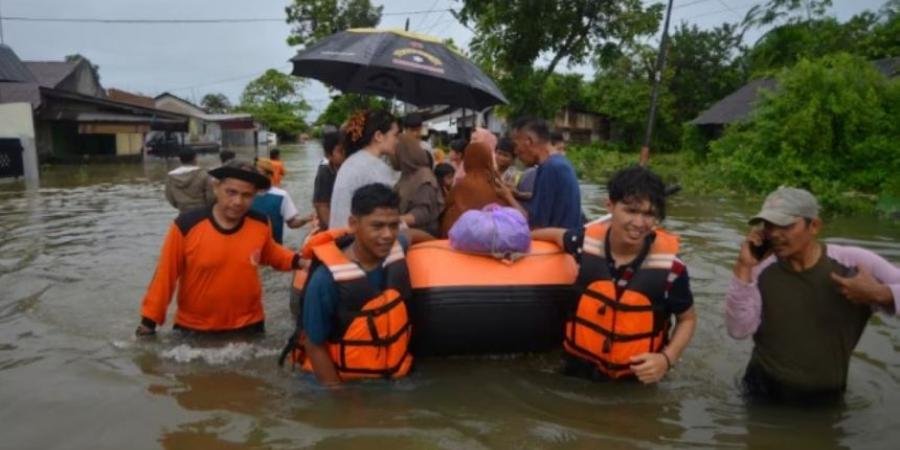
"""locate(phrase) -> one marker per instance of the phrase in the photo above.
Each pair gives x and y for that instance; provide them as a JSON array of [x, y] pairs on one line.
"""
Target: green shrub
[[832, 126]]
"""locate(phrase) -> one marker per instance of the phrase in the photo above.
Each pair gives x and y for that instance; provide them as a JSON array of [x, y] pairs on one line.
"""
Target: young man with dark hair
[[212, 256], [278, 166], [806, 303], [188, 187], [412, 127], [356, 292], [556, 199], [323, 186], [631, 282]]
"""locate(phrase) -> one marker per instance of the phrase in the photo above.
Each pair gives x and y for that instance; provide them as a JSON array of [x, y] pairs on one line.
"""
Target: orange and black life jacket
[[609, 325], [371, 331], [301, 274]]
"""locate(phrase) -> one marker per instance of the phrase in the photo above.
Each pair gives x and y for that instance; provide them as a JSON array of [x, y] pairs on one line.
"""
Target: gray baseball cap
[[785, 205]]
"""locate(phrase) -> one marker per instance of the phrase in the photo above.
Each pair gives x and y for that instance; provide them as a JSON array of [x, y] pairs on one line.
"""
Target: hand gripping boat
[[466, 303]]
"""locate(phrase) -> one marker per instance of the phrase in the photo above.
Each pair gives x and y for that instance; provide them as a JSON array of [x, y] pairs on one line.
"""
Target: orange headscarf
[[476, 189]]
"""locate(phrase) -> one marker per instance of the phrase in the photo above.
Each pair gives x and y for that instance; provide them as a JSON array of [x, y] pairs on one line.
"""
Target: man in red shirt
[[212, 257]]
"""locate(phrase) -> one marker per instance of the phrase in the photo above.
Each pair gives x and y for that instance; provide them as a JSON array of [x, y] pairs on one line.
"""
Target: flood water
[[77, 254]]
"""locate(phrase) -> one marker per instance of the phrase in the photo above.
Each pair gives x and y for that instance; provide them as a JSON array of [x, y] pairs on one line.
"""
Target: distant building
[[73, 117], [738, 105], [121, 96], [238, 130], [575, 123], [579, 126]]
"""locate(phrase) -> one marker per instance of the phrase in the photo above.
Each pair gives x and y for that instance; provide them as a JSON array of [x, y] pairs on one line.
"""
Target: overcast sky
[[191, 60]]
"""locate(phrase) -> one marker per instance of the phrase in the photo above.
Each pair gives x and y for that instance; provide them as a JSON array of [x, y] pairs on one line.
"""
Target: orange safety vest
[[608, 329], [371, 332], [302, 273]]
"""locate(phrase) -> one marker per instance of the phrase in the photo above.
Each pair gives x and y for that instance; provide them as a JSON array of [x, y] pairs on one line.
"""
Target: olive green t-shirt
[[808, 329]]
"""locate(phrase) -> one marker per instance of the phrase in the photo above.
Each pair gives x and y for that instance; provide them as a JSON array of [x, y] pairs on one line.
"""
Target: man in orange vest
[[211, 256], [631, 282], [354, 317]]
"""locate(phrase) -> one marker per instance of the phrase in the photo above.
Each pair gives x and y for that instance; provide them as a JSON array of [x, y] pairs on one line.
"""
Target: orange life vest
[[371, 331], [301, 274], [607, 329]]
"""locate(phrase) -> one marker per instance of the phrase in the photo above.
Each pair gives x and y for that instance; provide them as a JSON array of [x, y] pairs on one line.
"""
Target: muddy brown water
[[77, 253]]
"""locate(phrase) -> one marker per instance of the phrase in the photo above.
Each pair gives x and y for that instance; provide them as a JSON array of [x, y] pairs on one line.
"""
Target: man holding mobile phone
[[805, 303]]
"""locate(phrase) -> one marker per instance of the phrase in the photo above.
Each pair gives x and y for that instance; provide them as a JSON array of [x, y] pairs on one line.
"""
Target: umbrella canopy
[[412, 67]]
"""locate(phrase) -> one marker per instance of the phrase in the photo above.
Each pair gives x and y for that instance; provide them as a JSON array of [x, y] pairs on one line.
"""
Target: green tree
[[274, 98], [342, 106], [621, 91], [215, 103], [314, 19], [706, 66], [512, 36], [831, 126]]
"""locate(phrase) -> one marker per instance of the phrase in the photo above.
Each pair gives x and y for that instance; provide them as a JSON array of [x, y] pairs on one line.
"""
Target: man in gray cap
[[805, 303]]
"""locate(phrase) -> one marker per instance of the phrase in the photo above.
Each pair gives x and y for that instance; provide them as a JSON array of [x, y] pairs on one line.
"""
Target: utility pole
[[657, 78], [1, 23]]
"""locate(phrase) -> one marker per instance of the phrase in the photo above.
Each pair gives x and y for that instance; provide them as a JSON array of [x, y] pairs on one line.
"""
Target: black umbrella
[[412, 67]]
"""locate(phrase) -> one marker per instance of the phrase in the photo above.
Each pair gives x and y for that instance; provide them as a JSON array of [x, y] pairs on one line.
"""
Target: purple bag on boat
[[494, 229]]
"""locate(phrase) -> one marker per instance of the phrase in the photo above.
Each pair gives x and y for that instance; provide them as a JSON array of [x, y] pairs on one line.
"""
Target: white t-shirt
[[358, 170], [288, 209]]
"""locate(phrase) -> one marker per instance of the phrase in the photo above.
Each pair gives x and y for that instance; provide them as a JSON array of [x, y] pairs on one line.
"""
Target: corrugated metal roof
[[739, 103], [51, 73], [735, 106], [11, 92], [11, 67]]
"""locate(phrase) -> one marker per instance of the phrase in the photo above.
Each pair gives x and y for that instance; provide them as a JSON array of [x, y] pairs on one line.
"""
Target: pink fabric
[[743, 306]]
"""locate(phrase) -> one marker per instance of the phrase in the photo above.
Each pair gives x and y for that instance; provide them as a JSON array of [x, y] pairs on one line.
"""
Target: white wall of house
[[16, 121]]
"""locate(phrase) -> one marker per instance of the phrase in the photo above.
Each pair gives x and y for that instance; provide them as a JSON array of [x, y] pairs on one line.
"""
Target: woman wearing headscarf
[[421, 199], [477, 189]]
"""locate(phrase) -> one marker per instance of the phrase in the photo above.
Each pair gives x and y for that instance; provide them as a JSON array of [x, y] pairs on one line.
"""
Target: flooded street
[[77, 254]]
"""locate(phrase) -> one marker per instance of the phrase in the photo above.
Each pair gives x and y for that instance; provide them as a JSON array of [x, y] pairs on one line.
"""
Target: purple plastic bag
[[494, 229]]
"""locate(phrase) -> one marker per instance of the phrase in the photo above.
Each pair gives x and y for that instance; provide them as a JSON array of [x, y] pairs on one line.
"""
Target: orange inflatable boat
[[467, 303]]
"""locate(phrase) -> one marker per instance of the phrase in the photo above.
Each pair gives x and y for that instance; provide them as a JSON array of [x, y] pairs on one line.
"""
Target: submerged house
[[73, 116], [237, 130]]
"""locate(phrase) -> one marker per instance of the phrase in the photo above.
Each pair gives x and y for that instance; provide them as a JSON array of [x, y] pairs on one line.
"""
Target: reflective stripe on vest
[[301, 275], [608, 329], [371, 333]]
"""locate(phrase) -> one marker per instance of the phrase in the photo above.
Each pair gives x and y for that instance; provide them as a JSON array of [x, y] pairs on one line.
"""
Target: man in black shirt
[[332, 143]]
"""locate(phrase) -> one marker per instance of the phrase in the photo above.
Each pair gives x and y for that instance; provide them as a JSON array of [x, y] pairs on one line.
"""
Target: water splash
[[217, 356]]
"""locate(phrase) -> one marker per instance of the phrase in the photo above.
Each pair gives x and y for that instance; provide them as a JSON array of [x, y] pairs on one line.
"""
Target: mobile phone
[[760, 251]]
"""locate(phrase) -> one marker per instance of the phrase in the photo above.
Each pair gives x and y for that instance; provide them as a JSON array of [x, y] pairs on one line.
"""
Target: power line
[[426, 16], [695, 2], [226, 80], [729, 10], [178, 21]]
